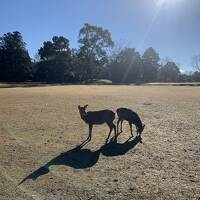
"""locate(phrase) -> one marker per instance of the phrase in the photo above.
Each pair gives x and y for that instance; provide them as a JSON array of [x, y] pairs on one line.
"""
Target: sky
[[171, 27]]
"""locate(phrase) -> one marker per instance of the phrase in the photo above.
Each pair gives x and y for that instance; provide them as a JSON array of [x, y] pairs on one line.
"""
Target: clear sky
[[172, 27]]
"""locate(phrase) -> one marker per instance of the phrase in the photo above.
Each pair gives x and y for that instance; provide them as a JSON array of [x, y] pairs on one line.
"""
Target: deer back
[[99, 117], [129, 115]]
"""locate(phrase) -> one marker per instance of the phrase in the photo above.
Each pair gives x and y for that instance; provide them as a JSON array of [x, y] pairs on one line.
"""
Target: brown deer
[[97, 117], [132, 118]]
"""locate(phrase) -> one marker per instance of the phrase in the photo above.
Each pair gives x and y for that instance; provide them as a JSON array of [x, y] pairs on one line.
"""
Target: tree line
[[95, 58]]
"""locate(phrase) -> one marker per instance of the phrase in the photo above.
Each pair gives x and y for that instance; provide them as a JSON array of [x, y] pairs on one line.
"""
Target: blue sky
[[172, 27]]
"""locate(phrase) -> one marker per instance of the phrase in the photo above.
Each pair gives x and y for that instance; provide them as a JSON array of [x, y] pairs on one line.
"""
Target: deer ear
[[85, 106]]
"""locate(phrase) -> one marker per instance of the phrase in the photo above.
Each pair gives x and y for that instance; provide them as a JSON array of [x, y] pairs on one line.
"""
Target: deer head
[[140, 129], [82, 111]]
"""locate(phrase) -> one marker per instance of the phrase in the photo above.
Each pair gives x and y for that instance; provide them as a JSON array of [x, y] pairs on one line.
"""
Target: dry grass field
[[40, 129]]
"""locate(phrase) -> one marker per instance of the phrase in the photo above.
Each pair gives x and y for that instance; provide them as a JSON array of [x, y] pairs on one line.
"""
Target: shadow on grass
[[117, 149], [79, 158]]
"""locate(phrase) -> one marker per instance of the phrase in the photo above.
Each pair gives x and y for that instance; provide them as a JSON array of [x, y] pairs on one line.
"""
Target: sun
[[168, 1]]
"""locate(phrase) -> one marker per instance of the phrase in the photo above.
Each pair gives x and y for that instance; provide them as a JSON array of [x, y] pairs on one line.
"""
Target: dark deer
[[132, 118], [97, 117]]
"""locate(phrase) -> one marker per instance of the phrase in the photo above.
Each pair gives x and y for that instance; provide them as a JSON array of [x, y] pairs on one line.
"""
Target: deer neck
[[139, 123], [84, 116]]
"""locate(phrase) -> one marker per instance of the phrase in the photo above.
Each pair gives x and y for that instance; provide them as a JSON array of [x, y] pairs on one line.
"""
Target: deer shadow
[[79, 158], [117, 149], [76, 158]]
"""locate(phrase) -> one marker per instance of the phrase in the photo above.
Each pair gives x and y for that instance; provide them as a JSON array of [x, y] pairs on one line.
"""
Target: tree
[[196, 76], [125, 67], [55, 64], [185, 77], [15, 62], [92, 56], [196, 62], [150, 65], [59, 46], [169, 72], [47, 51]]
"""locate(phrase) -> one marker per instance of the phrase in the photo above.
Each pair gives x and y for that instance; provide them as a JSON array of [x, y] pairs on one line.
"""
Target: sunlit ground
[[41, 126]]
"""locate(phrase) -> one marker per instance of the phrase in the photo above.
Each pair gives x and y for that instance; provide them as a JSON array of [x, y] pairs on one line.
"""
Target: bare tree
[[196, 62]]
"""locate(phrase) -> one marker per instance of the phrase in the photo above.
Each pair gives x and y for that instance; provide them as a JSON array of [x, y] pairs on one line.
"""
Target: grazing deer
[[132, 118], [97, 117]]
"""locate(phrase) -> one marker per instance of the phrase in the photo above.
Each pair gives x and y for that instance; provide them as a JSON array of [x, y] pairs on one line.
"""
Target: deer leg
[[118, 127], [90, 132], [83, 143], [108, 136], [130, 124], [139, 136], [121, 125], [138, 132], [114, 127], [111, 128]]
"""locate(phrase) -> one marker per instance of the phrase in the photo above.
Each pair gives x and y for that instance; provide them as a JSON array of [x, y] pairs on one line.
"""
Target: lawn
[[40, 130]]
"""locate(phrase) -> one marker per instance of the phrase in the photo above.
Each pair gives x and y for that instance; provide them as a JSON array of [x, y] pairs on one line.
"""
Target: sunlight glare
[[171, 2]]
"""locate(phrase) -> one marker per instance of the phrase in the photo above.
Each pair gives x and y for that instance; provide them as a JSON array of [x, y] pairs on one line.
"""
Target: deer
[[97, 117], [132, 118]]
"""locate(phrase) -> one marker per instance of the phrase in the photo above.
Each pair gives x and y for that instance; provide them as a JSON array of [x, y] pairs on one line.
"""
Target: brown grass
[[39, 126]]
